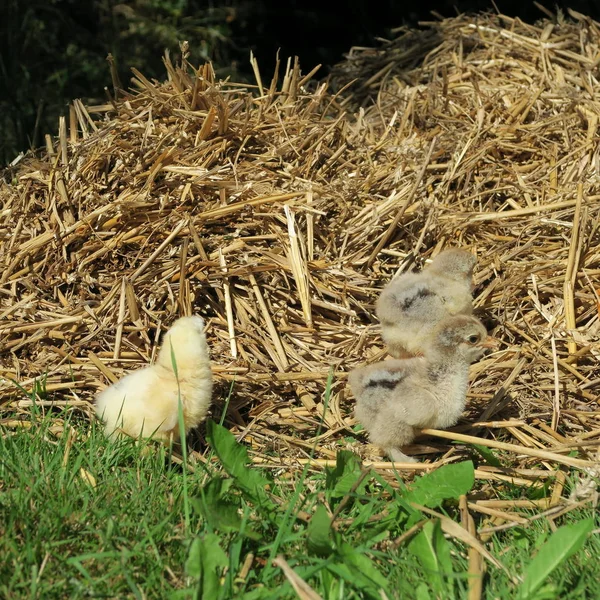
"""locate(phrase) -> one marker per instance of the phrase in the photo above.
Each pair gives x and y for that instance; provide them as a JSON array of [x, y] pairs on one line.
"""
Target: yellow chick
[[411, 305], [396, 397], [146, 402]]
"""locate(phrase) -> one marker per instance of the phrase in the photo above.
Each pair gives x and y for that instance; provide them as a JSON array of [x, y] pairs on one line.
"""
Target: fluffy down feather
[[394, 398], [411, 305], [145, 403]]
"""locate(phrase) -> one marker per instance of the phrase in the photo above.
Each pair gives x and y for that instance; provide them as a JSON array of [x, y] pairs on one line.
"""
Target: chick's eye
[[473, 339]]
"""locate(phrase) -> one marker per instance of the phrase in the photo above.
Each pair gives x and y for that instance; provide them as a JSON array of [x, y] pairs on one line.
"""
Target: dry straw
[[279, 213]]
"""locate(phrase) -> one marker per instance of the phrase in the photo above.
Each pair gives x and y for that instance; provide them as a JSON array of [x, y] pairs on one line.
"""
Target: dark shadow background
[[52, 51]]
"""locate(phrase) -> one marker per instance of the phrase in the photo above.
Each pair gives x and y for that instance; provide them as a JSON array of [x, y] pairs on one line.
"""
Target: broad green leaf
[[449, 481], [422, 547], [206, 561], [339, 480], [332, 585], [356, 559], [552, 592], [235, 460], [352, 576], [216, 488], [192, 564], [318, 533], [370, 521], [488, 455], [422, 592], [220, 508], [433, 552], [442, 548], [561, 545]]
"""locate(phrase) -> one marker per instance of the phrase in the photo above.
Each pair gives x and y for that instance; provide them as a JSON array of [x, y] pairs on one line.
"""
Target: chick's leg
[[391, 436], [398, 456]]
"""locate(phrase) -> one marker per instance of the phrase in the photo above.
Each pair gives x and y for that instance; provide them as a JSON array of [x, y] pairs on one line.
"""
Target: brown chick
[[411, 305], [146, 402], [396, 397]]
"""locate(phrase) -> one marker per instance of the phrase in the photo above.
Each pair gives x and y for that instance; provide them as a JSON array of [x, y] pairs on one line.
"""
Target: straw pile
[[279, 212]]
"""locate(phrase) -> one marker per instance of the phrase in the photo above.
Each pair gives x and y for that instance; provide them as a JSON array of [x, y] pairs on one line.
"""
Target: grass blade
[[563, 543], [182, 440]]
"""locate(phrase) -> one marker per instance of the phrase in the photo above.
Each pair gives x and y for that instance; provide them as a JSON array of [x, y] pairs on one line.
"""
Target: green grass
[[127, 537]]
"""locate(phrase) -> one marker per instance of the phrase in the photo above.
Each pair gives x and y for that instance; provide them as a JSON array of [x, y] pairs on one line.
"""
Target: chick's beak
[[489, 342]]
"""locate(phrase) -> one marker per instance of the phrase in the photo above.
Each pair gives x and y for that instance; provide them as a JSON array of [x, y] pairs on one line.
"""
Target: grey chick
[[395, 397], [411, 305]]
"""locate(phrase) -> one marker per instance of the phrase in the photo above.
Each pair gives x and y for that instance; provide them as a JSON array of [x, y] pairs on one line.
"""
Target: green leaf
[[220, 508], [318, 533], [192, 564], [449, 481], [442, 548], [339, 480], [488, 455], [206, 561], [358, 561], [332, 586], [561, 545], [354, 577], [422, 592], [421, 545], [433, 552], [234, 458], [215, 489]]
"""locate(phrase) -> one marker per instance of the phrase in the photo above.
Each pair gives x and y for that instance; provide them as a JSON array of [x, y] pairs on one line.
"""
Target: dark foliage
[[52, 51]]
